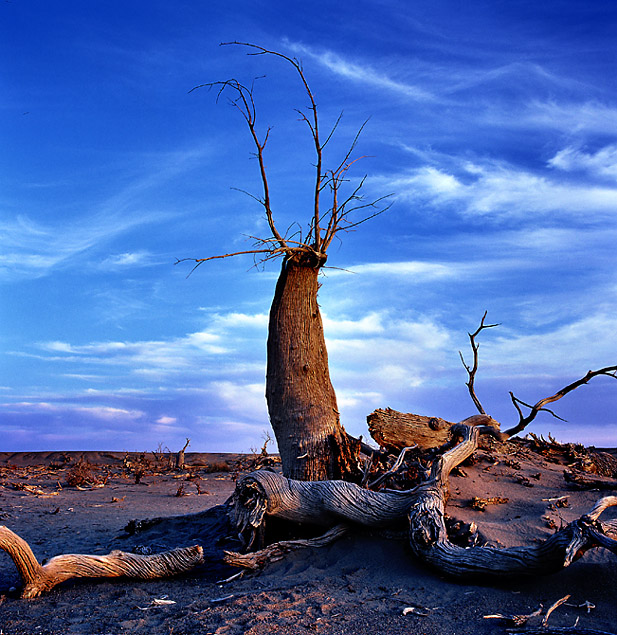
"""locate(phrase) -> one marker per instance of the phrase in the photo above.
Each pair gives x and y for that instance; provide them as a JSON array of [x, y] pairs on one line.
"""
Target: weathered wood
[[38, 579], [278, 550], [429, 539], [302, 405], [264, 494], [326, 503], [394, 430]]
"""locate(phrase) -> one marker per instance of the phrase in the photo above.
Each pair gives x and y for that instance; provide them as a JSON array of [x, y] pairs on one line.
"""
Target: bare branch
[[524, 421], [313, 124], [245, 104], [199, 261], [317, 239], [471, 371]]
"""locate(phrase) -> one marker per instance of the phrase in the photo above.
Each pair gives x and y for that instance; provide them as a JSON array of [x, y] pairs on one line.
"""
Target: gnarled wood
[[38, 579], [394, 430], [278, 550], [263, 494]]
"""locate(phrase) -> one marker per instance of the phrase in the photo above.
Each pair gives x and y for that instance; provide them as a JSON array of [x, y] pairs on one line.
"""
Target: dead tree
[[301, 400], [264, 496], [337, 505], [180, 456], [395, 430]]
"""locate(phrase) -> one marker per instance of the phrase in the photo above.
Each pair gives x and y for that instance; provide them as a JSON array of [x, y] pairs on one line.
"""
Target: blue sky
[[493, 124]]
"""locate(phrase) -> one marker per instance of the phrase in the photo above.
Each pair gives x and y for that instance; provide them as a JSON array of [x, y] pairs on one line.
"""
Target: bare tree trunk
[[301, 400], [180, 456]]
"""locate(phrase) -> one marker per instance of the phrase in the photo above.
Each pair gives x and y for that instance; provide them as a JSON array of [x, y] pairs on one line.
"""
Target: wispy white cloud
[[31, 249], [157, 359], [105, 413], [501, 190], [602, 163], [572, 118], [363, 73], [413, 271], [134, 259], [573, 348], [530, 77]]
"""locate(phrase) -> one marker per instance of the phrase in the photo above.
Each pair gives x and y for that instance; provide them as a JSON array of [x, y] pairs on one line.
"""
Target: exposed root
[[264, 494], [278, 550]]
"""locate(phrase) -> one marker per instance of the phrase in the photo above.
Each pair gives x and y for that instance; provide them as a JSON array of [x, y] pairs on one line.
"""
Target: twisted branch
[[39, 579]]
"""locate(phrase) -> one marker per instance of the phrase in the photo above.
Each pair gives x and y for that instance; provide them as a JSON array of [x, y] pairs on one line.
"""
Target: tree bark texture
[[301, 400], [261, 494], [395, 430], [39, 579]]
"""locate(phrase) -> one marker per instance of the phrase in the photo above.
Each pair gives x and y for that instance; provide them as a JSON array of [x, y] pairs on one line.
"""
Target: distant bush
[[83, 474], [217, 466]]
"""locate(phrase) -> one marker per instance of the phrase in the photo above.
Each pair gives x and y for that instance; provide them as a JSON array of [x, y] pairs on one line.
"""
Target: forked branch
[[472, 370], [323, 226], [525, 420]]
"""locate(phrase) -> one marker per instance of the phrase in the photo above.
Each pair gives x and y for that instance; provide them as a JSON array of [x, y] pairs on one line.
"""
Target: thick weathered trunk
[[301, 401], [395, 430]]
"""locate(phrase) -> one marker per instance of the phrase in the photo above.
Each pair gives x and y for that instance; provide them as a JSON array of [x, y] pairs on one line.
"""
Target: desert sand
[[365, 583]]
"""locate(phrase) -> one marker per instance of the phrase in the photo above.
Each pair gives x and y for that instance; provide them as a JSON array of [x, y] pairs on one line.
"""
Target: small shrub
[[217, 466], [82, 474]]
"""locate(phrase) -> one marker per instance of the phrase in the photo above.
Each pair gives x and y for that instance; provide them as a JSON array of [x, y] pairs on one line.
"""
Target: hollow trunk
[[301, 400]]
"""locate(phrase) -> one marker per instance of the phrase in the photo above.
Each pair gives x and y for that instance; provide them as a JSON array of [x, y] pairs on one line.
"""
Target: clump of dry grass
[[84, 474], [216, 466]]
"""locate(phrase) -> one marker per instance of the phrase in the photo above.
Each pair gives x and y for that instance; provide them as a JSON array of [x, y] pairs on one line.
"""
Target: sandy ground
[[360, 584]]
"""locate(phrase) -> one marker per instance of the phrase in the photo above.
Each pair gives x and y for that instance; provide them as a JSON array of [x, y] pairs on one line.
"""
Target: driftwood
[[395, 430], [263, 494], [278, 550], [38, 579]]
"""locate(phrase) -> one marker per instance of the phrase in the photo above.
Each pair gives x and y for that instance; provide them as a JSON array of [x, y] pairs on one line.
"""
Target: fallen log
[[394, 430], [264, 494], [39, 579]]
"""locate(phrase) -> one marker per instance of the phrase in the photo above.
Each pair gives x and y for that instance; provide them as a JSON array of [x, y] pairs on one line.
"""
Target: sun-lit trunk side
[[301, 400]]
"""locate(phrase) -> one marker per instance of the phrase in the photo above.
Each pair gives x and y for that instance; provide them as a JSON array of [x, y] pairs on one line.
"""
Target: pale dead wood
[[278, 550], [394, 469], [39, 579], [326, 503], [263, 494], [554, 606], [395, 430], [429, 539]]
